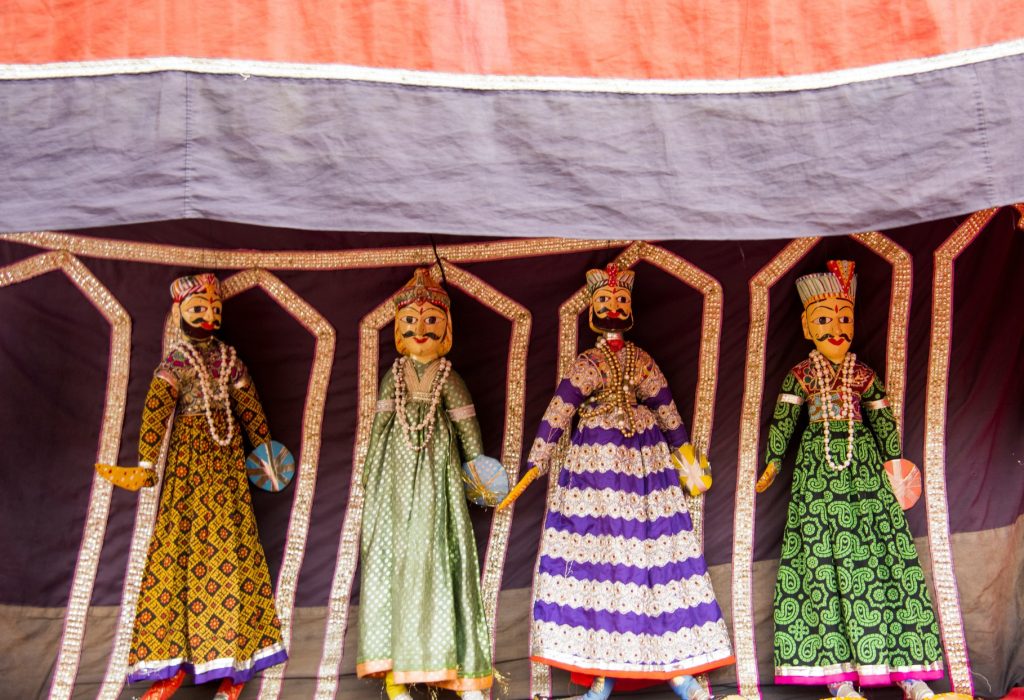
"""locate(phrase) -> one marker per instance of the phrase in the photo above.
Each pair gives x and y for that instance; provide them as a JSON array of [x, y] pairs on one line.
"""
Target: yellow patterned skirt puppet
[[206, 602]]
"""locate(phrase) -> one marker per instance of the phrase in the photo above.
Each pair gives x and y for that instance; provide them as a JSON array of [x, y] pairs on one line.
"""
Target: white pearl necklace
[[196, 362], [824, 379], [402, 396]]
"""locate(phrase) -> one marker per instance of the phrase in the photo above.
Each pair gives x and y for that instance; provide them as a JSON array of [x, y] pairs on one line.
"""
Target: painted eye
[[845, 319], [431, 320], [822, 320], [622, 300], [408, 319]]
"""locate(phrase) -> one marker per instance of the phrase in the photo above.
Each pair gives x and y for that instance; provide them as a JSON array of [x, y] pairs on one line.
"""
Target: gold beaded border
[[707, 372], [899, 316], [215, 258], [309, 454], [948, 598], [84, 578], [746, 472], [369, 363], [298, 525]]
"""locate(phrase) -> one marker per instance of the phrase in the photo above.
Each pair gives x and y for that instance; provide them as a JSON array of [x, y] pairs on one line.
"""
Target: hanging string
[[440, 265]]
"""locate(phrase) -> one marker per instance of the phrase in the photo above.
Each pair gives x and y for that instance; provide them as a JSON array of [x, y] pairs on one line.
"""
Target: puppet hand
[[528, 478], [131, 478], [694, 470], [767, 477]]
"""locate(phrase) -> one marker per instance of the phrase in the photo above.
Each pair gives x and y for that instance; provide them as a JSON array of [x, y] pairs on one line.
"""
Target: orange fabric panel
[[719, 39]]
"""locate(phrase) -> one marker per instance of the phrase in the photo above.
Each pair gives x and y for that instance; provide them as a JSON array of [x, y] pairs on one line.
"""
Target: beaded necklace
[[196, 362], [429, 421], [825, 379], [620, 382]]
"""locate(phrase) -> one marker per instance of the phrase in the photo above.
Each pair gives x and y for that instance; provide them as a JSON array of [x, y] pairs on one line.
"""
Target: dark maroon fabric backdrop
[[53, 363]]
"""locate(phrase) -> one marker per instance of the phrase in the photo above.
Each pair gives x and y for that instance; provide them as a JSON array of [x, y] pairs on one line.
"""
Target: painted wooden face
[[829, 324], [422, 331], [201, 313], [611, 309]]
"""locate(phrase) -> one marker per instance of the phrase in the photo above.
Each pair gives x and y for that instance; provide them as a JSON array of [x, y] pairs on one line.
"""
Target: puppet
[[622, 590], [206, 603], [851, 605], [421, 615]]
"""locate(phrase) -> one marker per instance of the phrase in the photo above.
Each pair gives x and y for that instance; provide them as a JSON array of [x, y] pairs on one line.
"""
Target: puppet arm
[[787, 411], [156, 412], [246, 405], [583, 379]]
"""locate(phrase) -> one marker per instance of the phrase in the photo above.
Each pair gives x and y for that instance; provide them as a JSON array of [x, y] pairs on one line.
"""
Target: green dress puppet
[[851, 603], [206, 603], [421, 615]]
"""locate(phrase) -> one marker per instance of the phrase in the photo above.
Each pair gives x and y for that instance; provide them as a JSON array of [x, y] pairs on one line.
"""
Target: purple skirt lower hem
[[236, 675]]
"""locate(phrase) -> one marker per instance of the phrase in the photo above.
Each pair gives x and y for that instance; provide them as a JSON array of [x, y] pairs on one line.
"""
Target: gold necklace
[[620, 382]]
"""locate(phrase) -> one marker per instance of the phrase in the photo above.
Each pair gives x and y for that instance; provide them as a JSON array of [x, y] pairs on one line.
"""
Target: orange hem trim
[[373, 669], [432, 677], [655, 675], [462, 684], [446, 678]]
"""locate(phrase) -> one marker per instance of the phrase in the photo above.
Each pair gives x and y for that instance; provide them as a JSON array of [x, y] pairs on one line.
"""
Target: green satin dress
[[421, 612]]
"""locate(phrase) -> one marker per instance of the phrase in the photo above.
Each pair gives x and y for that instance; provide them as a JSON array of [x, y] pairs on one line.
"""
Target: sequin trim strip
[[791, 398], [84, 578], [309, 454], [220, 259], [948, 598], [899, 316], [746, 473], [348, 549], [704, 398]]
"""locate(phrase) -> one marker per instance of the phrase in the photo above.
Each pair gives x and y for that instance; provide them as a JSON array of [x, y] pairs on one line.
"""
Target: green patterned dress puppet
[[421, 616], [206, 603], [851, 603]]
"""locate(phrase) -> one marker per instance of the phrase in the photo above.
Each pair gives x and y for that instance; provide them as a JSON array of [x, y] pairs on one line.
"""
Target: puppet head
[[198, 305], [828, 308], [611, 299], [423, 327]]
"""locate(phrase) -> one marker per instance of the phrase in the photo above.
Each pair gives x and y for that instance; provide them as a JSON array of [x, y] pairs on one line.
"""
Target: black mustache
[[845, 337], [605, 309], [411, 334]]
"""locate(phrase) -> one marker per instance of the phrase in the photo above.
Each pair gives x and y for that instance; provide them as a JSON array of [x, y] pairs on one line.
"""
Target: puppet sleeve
[[459, 405], [156, 412], [653, 391], [247, 407], [875, 406], [787, 412], [583, 379]]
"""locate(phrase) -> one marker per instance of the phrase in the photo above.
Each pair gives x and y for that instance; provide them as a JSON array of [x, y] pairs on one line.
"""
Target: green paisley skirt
[[851, 602]]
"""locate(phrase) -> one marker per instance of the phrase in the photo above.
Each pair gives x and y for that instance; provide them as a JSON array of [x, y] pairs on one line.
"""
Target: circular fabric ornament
[[270, 466], [486, 481], [905, 479]]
